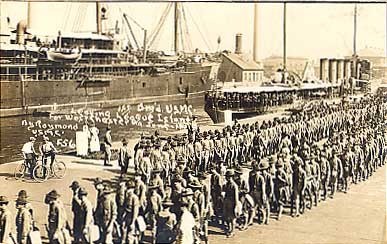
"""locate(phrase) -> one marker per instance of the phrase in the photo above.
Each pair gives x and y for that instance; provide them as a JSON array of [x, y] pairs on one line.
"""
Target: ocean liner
[[78, 69]]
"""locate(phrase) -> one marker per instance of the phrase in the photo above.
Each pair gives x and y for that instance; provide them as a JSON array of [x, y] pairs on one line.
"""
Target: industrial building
[[236, 67]]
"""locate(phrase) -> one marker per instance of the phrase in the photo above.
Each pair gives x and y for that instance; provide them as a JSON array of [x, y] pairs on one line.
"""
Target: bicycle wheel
[[20, 170], [41, 173], [59, 169]]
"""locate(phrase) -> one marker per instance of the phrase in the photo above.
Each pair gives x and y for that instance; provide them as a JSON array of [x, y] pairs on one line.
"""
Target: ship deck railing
[[16, 60]]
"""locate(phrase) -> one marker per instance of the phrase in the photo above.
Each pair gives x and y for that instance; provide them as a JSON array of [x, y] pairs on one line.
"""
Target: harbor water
[[127, 121]]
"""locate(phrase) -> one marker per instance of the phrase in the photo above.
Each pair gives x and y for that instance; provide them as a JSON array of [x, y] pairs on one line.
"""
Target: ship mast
[[176, 27], [29, 15], [284, 44], [98, 17]]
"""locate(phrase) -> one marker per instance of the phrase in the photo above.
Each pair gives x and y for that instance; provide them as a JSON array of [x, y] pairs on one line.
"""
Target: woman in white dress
[[94, 138]]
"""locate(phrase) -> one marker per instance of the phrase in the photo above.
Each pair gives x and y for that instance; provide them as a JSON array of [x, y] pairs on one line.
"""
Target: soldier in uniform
[[158, 182], [166, 224], [120, 201], [145, 166], [199, 154], [124, 157], [141, 191], [325, 171], [336, 168], [130, 233], [86, 215], [154, 206], [269, 190], [108, 214], [200, 201], [76, 209], [281, 188], [24, 221], [230, 202], [139, 154], [57, 219], [98, 216], [348, 162], [186, 225], [315, 168], [216, 190], [5, 221], [206, 211]]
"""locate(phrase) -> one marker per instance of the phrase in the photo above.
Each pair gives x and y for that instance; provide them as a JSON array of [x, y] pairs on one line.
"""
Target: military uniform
[[230, 202], [76, 209], [130, 232], [24, 221], [109, 216], [5, 221]]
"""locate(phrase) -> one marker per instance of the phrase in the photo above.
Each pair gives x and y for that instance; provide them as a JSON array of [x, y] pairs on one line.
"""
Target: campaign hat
[[74, 185], [53, 195], [4, 200], [22, 193], [32, 138], [98, 181]]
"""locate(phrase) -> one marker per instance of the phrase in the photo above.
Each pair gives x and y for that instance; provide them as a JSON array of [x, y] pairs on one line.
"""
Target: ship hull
[[23, 97]]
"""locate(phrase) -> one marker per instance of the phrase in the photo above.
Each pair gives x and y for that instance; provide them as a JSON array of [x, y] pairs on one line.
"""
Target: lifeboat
[[71, 56]]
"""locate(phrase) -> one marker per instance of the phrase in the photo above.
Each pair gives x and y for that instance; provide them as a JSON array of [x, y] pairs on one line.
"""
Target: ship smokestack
[[238, 43], [21, 28], [255, 33]]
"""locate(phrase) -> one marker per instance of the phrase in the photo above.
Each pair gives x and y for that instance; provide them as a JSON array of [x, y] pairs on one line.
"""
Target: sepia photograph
[[193, 122]]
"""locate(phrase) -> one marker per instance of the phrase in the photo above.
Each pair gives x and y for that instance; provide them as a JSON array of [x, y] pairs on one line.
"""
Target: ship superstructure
[[86, 68]]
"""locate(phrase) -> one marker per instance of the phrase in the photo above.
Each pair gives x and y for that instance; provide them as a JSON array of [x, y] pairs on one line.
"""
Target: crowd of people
[[232, 178], [260, 101]]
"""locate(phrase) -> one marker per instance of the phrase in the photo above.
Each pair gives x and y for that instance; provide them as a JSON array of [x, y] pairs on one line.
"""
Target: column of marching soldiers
[[243, 175]]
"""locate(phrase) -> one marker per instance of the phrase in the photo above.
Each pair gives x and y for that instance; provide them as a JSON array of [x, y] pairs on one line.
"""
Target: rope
[[188, 37], [155, 33], [197, 26]]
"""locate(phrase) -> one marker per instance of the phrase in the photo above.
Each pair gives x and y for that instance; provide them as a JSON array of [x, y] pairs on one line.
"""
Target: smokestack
[[255, 32], [20, 31], [238, 43]]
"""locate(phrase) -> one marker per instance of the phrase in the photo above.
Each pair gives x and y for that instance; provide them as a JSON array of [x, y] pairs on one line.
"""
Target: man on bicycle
[[29, 154], [47, 150]]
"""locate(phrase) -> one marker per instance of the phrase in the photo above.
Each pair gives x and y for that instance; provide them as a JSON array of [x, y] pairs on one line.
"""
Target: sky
[[313, 30]]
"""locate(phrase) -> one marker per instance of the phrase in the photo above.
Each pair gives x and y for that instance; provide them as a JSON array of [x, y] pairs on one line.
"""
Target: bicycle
[[22, 168], [42, 172]]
